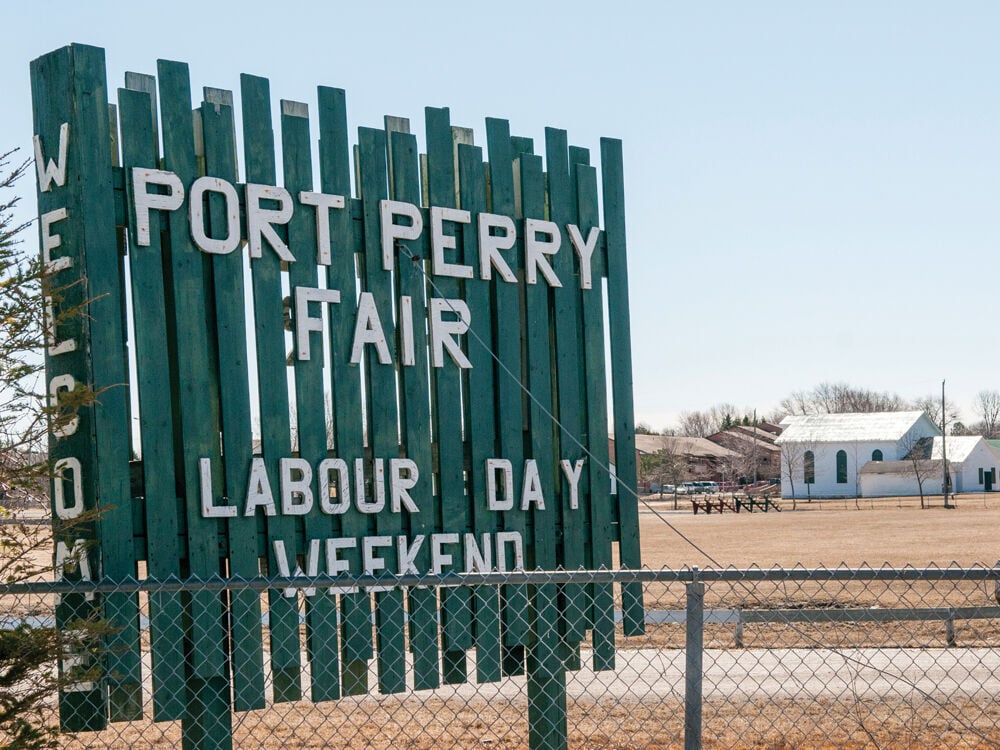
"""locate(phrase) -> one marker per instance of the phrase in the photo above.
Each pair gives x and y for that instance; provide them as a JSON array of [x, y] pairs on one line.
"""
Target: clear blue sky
[[812, 189]]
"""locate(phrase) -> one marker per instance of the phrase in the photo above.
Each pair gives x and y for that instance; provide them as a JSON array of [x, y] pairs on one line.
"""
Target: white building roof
[[959, 447], [846, 428]]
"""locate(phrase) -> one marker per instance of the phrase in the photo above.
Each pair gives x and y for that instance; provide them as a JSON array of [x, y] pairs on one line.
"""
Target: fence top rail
[[536, 577]]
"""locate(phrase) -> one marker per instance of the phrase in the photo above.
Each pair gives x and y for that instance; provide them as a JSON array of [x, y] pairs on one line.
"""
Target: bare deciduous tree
[[918, 452], [840, 398], [931, 406], [987, 405]]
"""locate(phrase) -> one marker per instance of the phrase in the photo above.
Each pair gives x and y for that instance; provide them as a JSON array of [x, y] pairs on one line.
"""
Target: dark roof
[[925, 467], [921, 449]]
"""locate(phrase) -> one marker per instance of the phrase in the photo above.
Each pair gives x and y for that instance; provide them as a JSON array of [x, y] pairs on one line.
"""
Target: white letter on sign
[[64, 465], [441, 242], [584, 251], [52, 171], [64, 382], [491, 244], [51, 241], [478, 559], [407, 554], [304, 323], [403, 476], [438, 558], [196, 200], [372, 564], [531, 490], [536, 249], [365, 505], [493, 465], [368, 330], [260, 220], [259, 493], [323, 202], [442, 331], [328, 491], [335, 566], [208, 507], [389, 210], [292, 488], [142, 178], [512, 538], [572, 472]]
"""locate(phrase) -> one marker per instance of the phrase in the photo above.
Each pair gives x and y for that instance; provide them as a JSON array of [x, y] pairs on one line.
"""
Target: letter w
[[52, 171]]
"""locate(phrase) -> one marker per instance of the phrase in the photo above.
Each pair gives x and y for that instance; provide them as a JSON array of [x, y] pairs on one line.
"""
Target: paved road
[[780, 675]]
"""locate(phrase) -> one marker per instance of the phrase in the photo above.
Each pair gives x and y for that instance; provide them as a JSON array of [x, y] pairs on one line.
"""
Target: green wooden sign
[[407, 380]]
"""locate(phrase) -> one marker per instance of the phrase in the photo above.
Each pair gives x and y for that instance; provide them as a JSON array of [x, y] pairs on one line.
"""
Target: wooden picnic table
[[718, 504]]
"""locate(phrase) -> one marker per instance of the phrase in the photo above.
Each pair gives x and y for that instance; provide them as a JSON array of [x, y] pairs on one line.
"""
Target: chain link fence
[[728, 659]]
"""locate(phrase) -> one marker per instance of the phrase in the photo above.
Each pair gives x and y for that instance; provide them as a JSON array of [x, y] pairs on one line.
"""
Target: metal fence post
[[693, 663]]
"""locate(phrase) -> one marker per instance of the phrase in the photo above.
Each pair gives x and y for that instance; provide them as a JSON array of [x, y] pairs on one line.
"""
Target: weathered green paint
[[237, 440], [410, 267], [195, 383], [272, 383], [57, 81], [569, 396], [206, 721], [597, 430], [382, 410], [621, 378], [546, 673], [509, 397], [156, 422], [480, 428], [321, 608], [345, 378], [456, 620]]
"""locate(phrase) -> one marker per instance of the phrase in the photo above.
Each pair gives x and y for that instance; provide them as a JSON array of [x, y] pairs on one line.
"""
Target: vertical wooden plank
[[321, 607], [447, 387], [383, 437], [599, 480], [569, 402], [481, 390], [207, 719], [510, 397], [546, 676], [414, 399], [109, 362], [164, 512], [578, 156], [621, 377], [58, 81], [345, 377], [247, 656], [272, 379], [522, 145]]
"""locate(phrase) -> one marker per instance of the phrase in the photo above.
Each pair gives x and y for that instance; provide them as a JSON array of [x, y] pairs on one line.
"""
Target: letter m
[[52, 170]]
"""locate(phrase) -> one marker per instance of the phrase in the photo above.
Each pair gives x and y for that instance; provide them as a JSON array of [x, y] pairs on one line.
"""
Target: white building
[[904, 478], [822, 454], [972, 463]]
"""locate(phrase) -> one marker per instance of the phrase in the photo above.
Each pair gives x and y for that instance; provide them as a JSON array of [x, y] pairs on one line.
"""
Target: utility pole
[[944, 449]]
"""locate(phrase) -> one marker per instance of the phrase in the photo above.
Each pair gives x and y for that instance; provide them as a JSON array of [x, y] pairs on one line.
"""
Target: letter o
[[196, 199]]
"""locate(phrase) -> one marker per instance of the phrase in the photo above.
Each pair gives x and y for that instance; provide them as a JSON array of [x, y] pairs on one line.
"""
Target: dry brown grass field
[[822, 533], [826, 533]]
